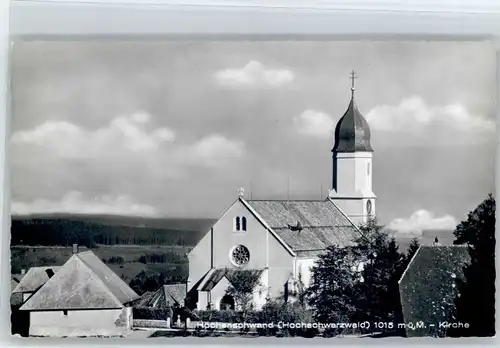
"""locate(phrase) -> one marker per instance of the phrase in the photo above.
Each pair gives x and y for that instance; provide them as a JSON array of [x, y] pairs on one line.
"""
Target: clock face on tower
[[369, 207]]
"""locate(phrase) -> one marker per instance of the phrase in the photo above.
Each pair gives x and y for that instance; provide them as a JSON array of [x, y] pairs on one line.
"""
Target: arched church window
[[244, 223], [240, 255], [237, 223]]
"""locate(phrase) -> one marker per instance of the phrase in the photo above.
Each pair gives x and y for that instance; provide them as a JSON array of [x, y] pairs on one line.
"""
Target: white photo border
[[456, 20]]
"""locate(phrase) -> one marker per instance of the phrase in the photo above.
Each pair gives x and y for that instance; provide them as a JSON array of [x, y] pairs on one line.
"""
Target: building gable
[[75, 286], [34, 279]]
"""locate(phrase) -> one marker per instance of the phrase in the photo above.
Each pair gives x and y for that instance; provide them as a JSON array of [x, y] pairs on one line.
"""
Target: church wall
[[265, 251], [303, 267], [226, 238], [354, 174], [280, 267], [354, 208], [199, 260]]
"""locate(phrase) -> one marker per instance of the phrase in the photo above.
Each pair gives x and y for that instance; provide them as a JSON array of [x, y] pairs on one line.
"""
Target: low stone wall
[[155, 324]]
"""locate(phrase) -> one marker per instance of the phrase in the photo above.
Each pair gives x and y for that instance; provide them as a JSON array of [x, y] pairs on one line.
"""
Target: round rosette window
[[240, 255]]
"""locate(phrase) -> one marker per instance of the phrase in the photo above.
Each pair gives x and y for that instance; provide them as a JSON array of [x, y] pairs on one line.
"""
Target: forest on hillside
[[64, 231]]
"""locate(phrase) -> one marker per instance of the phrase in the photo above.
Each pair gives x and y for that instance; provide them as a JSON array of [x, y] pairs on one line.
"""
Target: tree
[[332, 289], [412, 249], [378, 293], [243, 286], [475, 304]]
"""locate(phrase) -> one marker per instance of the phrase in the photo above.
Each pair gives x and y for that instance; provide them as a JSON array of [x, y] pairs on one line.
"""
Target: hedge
[[272, 312], [227, 316], [149, 313]]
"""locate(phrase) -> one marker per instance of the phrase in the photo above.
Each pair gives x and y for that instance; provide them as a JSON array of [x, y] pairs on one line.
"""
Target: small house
[[83, 298], [33, 280]]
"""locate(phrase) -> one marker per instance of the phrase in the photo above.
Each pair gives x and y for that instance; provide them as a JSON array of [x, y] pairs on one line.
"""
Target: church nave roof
[[322, 224]]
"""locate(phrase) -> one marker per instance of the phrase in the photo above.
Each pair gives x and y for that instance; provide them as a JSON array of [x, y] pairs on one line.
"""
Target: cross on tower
[[353, 76]]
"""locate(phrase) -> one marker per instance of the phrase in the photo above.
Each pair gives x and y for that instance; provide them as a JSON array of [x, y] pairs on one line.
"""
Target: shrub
[[117, 260], [149, 313], [276, 311]]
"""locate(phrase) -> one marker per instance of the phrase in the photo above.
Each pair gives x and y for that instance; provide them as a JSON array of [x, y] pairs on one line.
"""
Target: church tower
[[352, 165]]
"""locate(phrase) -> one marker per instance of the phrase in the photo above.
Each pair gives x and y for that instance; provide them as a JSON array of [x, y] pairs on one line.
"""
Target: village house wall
[[105, 322]]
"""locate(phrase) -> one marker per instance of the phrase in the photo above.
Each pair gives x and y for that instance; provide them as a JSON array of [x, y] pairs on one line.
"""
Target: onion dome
[[352, 132]]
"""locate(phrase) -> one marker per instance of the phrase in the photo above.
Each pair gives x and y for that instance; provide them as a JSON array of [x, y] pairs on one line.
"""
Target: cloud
[[123, 133], [413, 114], [75, 202], [127, 137], [213, 150], [314, 123], [254, 74], [420, 221]]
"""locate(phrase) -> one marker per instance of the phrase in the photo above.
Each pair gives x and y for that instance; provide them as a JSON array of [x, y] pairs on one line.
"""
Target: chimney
[[49, 272], [23, 271], [75, 248]]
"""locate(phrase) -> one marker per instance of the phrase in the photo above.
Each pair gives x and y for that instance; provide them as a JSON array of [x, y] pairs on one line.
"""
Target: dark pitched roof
[[216, 275], [35, 278], [175, 293], [116, 285], [145, 298], [352, 132], [323, 224], [428, 286], [74, 286], [166, 296]]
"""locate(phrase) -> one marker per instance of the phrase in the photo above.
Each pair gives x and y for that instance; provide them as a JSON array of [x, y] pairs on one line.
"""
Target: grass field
[[24, 257]]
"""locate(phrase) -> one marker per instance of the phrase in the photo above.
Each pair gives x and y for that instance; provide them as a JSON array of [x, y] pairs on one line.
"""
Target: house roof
[[145, 298], [83, 282], [323, 224], [116, 285], [428, 285], [175, 292], [74, 286], [34, 279], [166, 295], [216, 275]]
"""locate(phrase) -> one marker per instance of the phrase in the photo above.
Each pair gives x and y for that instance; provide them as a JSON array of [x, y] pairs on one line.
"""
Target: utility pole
[[288, 187]]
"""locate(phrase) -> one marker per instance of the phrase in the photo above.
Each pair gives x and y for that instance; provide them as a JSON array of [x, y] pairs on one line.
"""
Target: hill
[[90, 230]]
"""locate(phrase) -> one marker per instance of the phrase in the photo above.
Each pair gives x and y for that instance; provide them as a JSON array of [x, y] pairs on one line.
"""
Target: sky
[[175, 128]]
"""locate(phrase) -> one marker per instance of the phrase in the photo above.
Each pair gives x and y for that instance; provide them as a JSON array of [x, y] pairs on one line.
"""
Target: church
[[279, 240]]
